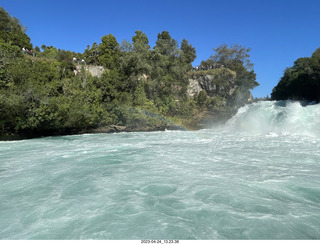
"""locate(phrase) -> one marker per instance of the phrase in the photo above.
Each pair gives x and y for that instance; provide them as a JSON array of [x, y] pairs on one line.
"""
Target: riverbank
[[10, 136], [201, 121]]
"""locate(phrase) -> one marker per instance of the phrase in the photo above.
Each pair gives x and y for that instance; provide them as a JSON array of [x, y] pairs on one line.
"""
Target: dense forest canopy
[[301, 81], [141, 87]]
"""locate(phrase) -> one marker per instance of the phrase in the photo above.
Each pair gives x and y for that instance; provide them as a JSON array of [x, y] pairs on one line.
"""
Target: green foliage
[[184, 108], [8, 55], [50, 52], [165, 45], [91, 54], [201, 99], [215, 103], [40, 95], [188, 52], [140, 42], [111, 85], [11, 109], [220, 74], [108, 51], [236, 58], [232, 56], [12, 31], [301, 81], [139, 95]]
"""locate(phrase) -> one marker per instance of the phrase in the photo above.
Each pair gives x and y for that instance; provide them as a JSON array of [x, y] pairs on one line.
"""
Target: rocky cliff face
[[220, 85], [92, 69], [216, 82]]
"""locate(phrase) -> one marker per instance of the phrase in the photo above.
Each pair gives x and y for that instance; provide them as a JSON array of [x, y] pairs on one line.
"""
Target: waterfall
[[292, 117]]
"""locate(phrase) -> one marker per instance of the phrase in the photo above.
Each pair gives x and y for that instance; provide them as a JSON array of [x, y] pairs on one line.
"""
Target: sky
[[277, 31]]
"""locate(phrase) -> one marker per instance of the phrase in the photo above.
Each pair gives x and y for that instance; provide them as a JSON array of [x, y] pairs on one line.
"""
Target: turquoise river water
[[257, 177]]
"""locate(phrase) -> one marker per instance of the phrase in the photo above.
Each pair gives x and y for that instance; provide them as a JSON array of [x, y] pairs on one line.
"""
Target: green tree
[[165, 45], [12, 31], [201, 99], [139, 95], [126, 46], [140, 42], [301, 81], [231, 56], [188, 52], [236, 58], [135, 60], [50, 52], [108, 51], [8, 55], [91, 54]]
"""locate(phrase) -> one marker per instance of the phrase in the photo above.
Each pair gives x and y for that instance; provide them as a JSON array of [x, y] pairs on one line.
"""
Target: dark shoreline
[[207, 120], [106, 129]]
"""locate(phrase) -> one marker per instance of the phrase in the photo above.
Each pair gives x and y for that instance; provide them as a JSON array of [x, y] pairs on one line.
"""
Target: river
[[257, 177]]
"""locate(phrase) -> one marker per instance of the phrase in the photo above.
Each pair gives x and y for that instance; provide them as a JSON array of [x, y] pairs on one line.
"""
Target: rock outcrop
[[216, 82], [95, 71], [222, 91]]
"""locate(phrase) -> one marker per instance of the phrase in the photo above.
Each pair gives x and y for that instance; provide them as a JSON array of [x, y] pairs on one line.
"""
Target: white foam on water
[[277, 117]]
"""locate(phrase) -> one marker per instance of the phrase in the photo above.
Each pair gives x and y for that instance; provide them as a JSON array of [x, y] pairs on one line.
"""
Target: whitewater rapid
[[281, 117], [258, 177]]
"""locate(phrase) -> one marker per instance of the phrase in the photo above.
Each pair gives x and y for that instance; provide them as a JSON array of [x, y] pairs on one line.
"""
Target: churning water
[[258, 177]]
